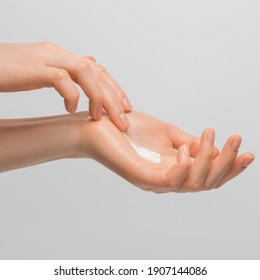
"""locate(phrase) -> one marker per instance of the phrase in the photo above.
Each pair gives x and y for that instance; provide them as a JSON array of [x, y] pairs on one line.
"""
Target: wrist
[[73, 126]]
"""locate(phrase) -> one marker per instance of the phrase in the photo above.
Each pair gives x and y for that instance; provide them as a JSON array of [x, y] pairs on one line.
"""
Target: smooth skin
[[33, 66], [189, 164]]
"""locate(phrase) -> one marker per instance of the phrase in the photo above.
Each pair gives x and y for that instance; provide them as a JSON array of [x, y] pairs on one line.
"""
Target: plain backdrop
[[193, 63]]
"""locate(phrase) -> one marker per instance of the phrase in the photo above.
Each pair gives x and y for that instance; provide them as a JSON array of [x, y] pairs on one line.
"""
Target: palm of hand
[[177, 172]]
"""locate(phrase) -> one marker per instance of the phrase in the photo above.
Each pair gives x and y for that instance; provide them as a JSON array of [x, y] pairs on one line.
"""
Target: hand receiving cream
[[146, 153]]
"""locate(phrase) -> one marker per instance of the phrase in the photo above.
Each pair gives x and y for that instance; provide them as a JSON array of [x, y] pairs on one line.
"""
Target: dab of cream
[[145, 153]]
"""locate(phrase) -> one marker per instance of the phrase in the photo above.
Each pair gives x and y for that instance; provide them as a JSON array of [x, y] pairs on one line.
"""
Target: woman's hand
[[26, 142], [178, 172], [34, 66]]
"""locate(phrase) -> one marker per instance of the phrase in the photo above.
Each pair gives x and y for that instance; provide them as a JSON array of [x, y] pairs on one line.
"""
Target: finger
[[90, 76], [154, 177], [178, 172], [95, 111], [118, 91], [81, 71], [178, 137], [221, 165], [114, 108], [87, 81], [203, 160], [240, 164], [101, 96], [61, 81]]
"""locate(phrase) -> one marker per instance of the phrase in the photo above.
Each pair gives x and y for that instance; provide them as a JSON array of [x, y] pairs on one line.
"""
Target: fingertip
[[91, 112], [248, 160], [94, 116], [127, 104], [70, 106], [124, 122], [74, 109], [204, 133], [99, 113], [236, 142], [252, 156], [183, 154], [211, 135], [208, 135]]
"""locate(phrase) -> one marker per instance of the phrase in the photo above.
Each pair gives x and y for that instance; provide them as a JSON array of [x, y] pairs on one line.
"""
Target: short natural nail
[[211, 135], [127, 103], [124, 120], [99, 113], [248, 161], [185, 149], [73, 110], [236, 144]]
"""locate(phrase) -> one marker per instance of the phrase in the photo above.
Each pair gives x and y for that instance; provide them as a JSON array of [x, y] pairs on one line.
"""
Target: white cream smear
[[145, 153]]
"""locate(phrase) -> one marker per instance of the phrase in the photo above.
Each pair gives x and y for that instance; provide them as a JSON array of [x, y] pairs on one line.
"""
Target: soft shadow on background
[[192, 63]]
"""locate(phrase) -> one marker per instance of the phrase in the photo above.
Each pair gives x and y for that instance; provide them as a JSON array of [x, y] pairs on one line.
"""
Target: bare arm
[[26, 142]]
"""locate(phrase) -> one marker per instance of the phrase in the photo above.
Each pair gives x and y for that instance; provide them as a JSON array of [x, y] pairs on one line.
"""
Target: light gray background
[[193, 63]]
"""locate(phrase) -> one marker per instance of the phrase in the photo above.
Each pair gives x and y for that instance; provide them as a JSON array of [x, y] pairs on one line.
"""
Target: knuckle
[[84, 65], [48, 45], [91, 58], [100, 68], [99, 72], [61, 75]]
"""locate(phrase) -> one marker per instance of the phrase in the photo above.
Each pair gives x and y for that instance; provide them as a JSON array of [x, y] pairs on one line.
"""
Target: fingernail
[[127, 103], [185, 149], [185, 153], [248, 161], [99, 113], [124, 120], [211, 135], [236, 144], [73, 110]]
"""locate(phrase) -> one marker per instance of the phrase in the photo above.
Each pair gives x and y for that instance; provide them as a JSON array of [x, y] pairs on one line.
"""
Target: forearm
[[26, 142]]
